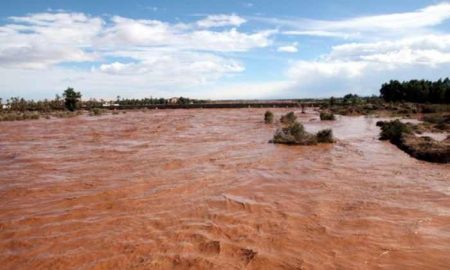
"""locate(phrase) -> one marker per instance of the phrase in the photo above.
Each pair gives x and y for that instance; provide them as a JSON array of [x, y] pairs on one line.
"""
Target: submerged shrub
[[18, 116], [325, 116], [96, 112], [296, 134], [268, 117], [65, 114], [325, 136], [288, 119], [34, 115], [296, 129], [393, 130]]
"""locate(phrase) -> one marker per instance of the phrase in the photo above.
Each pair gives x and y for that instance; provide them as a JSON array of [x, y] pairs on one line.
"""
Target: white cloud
[[41, 40], [415, 49], [288, 48], [114, 79], [44, 39], [319, 33], [172, 67], [248, 90], [369, 27], [390, 46], [114, 68], [429, 16], [221, 20], [306, 70], [230, 40], [156, 53], [130, 32], [326, 79], [363, 67]]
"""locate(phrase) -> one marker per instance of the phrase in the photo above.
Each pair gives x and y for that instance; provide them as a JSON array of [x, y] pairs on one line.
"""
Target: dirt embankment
[[426, 148], [404, 136]]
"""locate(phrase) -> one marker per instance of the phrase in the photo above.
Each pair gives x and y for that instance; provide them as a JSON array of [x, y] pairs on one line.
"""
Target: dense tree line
[[71, 100], [22, 105], [156, 101], [141, 102], [420, 91]]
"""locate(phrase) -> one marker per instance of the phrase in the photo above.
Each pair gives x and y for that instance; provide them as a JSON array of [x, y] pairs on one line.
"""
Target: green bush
[[288, 119], [65, 114], [34, 115], [325, 116], [296, 129], [18, 116], [291, 134], [296, 134], [96, 112], [268, 117], [325, 136], [393, 130]]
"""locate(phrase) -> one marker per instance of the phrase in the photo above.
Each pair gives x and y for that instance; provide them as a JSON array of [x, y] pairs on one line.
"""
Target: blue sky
[[219, 49]]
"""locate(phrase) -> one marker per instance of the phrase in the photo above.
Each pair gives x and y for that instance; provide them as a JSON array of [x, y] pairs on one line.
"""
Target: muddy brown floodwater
[[202, 189]]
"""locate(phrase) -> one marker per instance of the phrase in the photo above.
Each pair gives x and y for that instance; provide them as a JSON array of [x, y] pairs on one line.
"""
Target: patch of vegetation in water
[[327, 116], [294, 133], [18, 116], [65, 114], [423, 148], [96, 112], [438, 121], [325, 136], [268, 117], [288, 119], [393, 130]]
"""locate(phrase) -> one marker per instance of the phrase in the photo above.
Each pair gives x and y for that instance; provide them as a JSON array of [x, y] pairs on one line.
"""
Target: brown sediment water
[[203, 189]]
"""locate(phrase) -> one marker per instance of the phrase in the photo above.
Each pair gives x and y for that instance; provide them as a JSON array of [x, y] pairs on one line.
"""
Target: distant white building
[[6, 106], [110, 104], [173, 100]]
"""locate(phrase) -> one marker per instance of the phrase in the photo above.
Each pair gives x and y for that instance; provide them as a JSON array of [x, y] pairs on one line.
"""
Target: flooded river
[[203, 189]]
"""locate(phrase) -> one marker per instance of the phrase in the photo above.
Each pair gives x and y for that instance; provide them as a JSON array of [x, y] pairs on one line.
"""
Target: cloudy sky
[[219, 49]]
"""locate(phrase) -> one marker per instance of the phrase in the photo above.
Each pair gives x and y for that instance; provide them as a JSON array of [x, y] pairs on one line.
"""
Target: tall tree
[[71, 99]]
